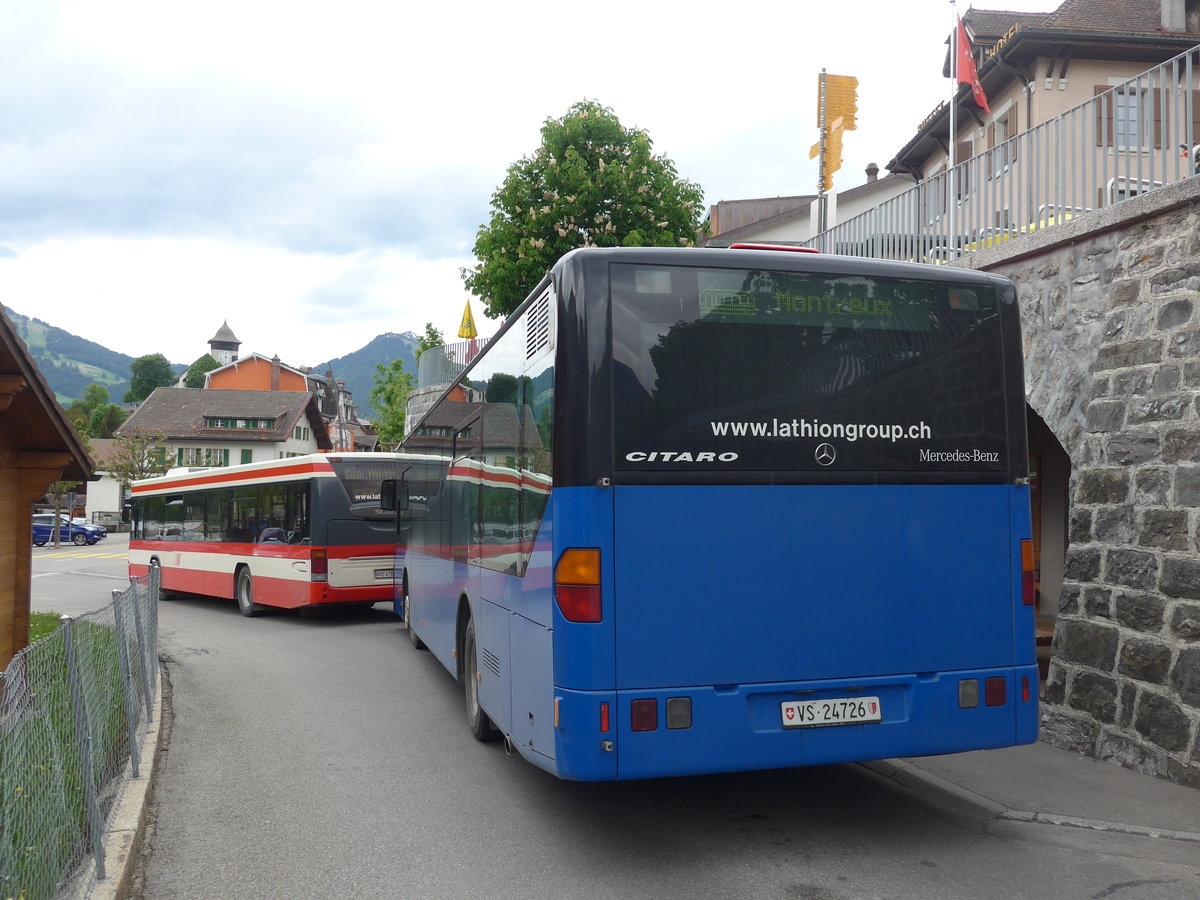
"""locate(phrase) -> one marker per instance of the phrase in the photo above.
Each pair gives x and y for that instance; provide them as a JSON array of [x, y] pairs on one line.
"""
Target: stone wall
[[1111, 312]]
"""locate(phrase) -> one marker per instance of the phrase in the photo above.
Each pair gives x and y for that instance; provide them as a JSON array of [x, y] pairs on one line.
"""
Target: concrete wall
[[1110, 306]]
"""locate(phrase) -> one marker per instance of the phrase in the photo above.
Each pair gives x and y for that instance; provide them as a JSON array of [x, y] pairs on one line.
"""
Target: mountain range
[[70, 363]]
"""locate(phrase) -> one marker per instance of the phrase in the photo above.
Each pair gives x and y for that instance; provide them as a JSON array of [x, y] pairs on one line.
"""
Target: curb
[[125, 827], [958, 801]]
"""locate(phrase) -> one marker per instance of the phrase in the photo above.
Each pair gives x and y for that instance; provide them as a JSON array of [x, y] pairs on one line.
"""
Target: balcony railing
[[441, 365], [1128, 140]]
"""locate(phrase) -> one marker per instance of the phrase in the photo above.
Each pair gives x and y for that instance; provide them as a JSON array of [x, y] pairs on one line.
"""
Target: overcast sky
[[315, 173]]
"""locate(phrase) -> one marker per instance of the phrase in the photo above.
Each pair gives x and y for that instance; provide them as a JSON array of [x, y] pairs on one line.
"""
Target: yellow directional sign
[[833, 151], [841, 100]]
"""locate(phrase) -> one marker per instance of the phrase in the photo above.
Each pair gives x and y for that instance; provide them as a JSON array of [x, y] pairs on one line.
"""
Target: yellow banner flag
[[467, 328]]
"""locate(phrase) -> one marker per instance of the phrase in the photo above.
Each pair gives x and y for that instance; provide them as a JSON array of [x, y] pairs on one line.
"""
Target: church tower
[[223, 346]]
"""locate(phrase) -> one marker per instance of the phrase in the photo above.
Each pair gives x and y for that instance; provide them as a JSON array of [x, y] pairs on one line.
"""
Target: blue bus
[[707, 510]]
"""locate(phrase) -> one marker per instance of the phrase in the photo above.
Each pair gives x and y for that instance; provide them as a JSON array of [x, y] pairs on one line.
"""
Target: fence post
[[141, 642], [131, 705], [95, 826]]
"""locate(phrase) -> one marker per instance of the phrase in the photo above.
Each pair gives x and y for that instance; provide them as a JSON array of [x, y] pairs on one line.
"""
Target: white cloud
[[315, 173]]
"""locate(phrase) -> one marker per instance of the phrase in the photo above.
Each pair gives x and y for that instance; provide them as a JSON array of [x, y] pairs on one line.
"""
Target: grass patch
[[42, 624], [43, 815]]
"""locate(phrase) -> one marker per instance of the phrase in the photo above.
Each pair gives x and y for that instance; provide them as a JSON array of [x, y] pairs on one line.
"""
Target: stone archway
[[1050, 479]]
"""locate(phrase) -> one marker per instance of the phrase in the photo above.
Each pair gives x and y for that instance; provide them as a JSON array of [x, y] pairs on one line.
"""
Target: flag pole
[[951, 199]]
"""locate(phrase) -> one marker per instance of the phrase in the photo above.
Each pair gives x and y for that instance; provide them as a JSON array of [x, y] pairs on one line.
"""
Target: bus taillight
[[577, 585], [320, 565], [1027, 588]]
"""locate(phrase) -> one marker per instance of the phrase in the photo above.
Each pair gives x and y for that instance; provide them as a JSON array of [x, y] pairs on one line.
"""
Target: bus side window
[[297, 514]]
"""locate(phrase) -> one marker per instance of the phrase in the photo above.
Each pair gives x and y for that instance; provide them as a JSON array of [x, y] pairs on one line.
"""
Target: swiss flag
[[966, 68]]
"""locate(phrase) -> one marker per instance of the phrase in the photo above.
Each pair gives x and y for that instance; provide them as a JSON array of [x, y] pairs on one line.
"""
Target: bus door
[[481, 481]]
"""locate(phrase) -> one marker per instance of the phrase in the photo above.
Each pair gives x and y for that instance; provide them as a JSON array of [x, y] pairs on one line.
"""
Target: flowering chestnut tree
[[591, 183]]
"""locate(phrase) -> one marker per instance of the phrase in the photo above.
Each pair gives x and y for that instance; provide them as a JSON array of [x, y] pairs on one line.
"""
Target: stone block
[[1114, 525], [1132, 568], [1141, 612], [1180, 345], [1166, 379], [1191, 374], [1125, 291], [1145, 660], [1130, 383], [1181, 577], [1159, 409], [1068, 599], [1081, 525], [1086, 643], [1056, 684], [1104, 486], [1185, 676], [1069, 731], [1181, 445], [1133, 353], [1095, 695], [1185, 622], [1187, 486], [1152, 487], [1174, 314], [1083, 564], [1105, 415], [1161, 721], [1166, 529], [1182, 773], [1126, 703], [1097, 602], [1132, 448], [1129, 753]]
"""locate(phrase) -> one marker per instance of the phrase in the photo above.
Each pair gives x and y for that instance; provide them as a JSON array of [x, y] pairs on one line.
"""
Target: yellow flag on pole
[[467, 328]]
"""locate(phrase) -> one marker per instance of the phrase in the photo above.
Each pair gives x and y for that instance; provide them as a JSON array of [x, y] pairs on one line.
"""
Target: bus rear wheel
[[244, 590], [477, 720]]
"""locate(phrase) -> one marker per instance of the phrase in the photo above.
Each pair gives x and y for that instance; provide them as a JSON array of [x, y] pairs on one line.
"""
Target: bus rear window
[[361, 479], [755, 370]]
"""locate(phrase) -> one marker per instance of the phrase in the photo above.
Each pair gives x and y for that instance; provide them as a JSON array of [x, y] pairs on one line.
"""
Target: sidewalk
[[1041, 783]]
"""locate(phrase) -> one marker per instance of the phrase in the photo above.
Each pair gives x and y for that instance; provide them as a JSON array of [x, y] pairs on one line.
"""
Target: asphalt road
[[322, 756]]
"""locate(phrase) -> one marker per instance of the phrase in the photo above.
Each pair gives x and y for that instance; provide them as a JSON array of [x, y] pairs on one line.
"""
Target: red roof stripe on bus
[[215, 479]]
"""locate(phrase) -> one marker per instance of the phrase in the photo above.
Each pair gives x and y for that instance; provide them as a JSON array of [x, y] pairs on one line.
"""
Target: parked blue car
[[68, 531]]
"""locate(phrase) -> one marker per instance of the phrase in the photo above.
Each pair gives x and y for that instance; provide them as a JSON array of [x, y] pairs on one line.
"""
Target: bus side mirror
[[393, 495]]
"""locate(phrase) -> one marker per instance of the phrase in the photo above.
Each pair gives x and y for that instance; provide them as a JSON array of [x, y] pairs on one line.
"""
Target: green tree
[[147, 373], [80, 411], [197, 370], [389, 396], [501, 388], [138, 454], [430, 339], [591, 183], [105, 420]]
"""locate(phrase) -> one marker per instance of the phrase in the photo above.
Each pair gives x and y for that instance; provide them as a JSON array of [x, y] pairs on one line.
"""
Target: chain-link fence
[[72, 709]]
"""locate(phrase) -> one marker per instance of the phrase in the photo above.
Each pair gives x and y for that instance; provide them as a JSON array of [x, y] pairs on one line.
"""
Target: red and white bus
[[286, 533]]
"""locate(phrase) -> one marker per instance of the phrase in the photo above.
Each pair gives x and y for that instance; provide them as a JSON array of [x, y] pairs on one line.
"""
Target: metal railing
[[441, 365], [1128, 140], [72, 709]]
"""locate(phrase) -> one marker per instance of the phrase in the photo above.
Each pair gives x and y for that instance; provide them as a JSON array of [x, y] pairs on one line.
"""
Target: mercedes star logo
[[826, 454]]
